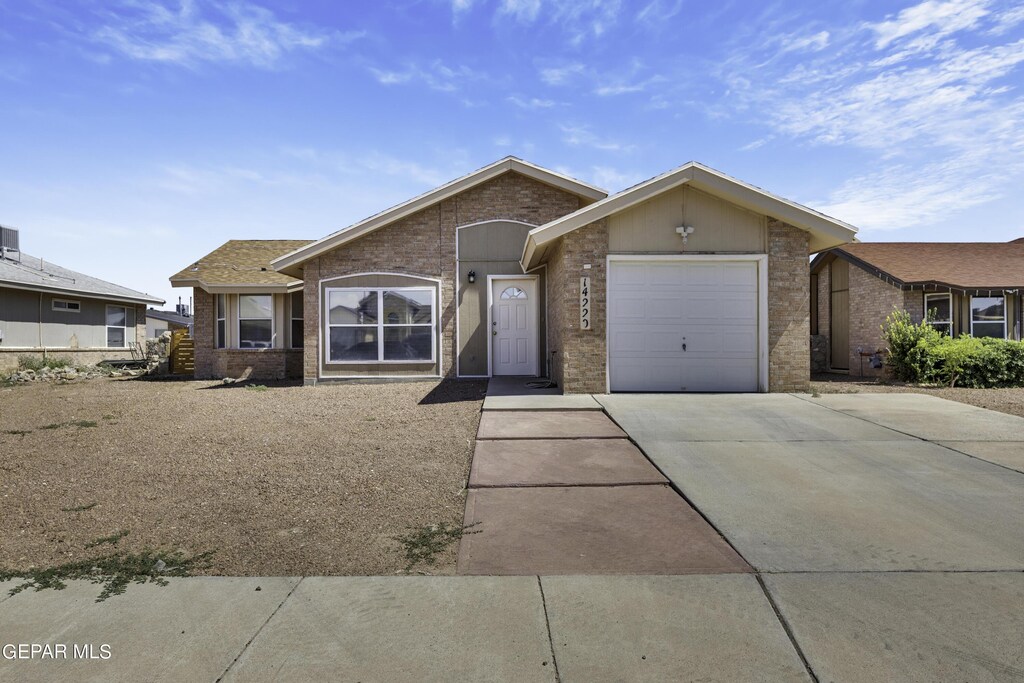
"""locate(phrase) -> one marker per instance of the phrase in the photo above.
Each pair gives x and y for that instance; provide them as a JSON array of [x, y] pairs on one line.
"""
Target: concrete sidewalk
[[850, 627]]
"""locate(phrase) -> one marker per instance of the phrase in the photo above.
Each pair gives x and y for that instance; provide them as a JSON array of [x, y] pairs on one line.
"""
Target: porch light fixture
[[471, 276]]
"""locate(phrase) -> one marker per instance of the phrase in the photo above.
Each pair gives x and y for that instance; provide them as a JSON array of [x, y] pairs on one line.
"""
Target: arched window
[[513, 293]]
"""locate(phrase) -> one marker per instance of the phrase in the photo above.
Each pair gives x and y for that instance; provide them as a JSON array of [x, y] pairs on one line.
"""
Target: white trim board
[[762, 303]]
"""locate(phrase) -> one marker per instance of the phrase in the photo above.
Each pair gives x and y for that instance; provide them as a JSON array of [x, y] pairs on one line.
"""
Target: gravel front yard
[[1004, 400], [280, 481]]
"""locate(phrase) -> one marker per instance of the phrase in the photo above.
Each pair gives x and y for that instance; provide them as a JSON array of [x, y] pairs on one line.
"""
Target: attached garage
[[691, 324]]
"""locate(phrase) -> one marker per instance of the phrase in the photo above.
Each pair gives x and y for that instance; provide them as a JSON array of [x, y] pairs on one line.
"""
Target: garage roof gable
[[825, 231]]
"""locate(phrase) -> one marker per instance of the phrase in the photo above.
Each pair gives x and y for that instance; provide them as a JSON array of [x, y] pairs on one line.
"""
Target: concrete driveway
[[887, 529]]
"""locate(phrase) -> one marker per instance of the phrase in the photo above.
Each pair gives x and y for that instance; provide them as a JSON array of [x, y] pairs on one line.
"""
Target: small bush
[[920, 354], [37, 364]]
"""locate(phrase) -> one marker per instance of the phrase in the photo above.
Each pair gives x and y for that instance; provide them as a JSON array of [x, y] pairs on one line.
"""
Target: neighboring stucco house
[[49, 310], [968, 288], [158, 322], [691, 281]]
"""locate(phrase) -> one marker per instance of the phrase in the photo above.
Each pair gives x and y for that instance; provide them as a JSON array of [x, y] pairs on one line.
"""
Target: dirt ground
[[1004, 400], [281, 481]]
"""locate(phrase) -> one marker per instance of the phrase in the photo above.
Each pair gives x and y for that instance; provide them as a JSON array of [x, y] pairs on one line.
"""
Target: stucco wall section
[[578, 356], [789, 316], [424, 244]]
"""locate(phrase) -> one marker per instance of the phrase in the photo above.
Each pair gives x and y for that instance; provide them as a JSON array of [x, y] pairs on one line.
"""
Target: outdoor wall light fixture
[[471, 276]]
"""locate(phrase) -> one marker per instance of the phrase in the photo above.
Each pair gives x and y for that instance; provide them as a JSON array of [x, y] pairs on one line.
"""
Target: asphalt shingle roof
[[964, 265], [35, 273], [241, 262]]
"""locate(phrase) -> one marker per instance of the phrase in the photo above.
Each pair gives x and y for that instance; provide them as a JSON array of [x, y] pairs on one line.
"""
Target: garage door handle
[[684, 346]]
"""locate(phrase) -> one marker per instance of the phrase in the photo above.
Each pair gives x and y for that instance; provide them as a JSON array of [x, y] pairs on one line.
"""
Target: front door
[[514, 327]]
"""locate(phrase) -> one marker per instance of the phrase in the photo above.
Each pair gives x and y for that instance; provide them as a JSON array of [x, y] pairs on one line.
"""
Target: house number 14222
[[584, 303]]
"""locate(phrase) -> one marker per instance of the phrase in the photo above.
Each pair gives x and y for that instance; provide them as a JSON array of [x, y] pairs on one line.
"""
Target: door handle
[[494, 333], [684, 346]]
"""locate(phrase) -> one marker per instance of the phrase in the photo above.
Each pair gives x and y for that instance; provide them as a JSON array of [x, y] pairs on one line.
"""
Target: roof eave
[[28, 287], [288, 262], [825, 232], [236, 288]]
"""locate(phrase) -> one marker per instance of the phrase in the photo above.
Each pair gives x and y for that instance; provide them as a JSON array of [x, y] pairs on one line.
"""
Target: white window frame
[[939, 295], [106, 327], [292, 319], [66, 308], [239, 319], [381, 324], [219, 343], [971, 312]]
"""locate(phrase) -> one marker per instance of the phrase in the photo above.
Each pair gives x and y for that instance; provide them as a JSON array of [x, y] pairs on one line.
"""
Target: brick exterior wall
[[202, 331], [871, 300], [789, 316], [578, 357], [424, 244], [213, 363]]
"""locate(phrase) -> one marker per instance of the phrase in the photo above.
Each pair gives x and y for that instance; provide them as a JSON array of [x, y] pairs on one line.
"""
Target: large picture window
[[988, 316], [938, 311], [370, 325], [255, 321], [117, 327]]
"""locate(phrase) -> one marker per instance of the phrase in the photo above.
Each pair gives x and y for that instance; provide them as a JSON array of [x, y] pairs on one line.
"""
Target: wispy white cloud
[[560, 75], [190, 33], [930, 20], [657, 12], [521, 10], [583, 136], [530, 102], [926, 94], [579, 19], [624, 87], [436, 75]]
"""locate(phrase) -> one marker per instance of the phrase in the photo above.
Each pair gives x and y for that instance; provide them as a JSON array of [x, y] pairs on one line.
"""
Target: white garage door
[[683, 325]]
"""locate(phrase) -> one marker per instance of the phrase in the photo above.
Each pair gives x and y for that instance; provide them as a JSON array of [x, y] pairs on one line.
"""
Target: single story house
[[963, 287], [158, 322], [690, 281], [46, 309]]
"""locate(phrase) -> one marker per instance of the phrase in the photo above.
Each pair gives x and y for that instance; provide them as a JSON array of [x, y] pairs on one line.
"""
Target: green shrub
[[37, 364], [918, 353]]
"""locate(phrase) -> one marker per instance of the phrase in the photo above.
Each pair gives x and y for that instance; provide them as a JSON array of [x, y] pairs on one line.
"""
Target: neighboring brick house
[[692, 281], [963, 287]]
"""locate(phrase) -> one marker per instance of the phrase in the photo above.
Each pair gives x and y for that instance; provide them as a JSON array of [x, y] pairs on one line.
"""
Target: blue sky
[[140, 135]]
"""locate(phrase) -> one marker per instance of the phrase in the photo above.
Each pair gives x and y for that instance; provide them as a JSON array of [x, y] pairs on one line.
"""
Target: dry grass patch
[[286, 480]]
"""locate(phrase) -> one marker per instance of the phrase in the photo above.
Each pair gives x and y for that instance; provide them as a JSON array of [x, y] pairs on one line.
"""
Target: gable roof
[[289, 263], [825, 231], [241, 264], [968, 266], [36, 274], [169, 316]]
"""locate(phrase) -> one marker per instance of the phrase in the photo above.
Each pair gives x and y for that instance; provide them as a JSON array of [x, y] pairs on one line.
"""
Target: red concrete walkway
[[565, 492]]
